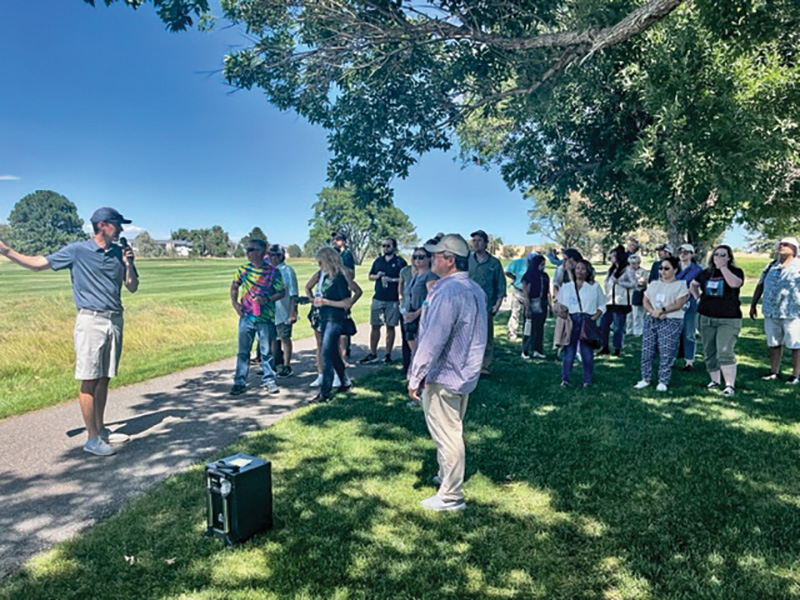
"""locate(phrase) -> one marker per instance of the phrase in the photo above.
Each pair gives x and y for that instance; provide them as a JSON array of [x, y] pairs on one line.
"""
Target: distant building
[[517, 251], [179, 248]]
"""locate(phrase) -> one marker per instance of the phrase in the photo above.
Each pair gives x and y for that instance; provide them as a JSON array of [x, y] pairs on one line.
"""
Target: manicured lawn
[[603, 493], [180, 317]]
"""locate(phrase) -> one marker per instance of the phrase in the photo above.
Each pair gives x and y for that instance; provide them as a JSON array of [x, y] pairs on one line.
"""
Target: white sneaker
[[642, 384], [437, 504], [110, 437], [317, 382], [525, 356], [538, 355], [661, 387], [336, 381], [98, 447]]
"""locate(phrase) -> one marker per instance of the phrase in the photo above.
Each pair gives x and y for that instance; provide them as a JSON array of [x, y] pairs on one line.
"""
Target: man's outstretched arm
[[34, 263]]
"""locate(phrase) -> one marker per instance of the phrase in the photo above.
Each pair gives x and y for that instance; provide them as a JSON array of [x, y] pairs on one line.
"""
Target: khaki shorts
[[384, 312], [782, 332], [283, 331], [98, 346]]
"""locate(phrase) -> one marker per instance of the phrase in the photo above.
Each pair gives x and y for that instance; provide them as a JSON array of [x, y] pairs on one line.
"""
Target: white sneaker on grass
[[336, 381], [317, 382], [661, 387], [642, 384], [439, 505], [112, 437], [98, 447]]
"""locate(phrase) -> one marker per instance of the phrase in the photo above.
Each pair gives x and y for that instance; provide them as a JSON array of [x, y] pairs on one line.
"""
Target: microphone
[[123, 242]]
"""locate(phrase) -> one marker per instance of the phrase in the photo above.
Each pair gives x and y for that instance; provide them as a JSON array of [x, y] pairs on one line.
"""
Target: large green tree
[[676, 112], [43, 222], [336, 210], [206, 242], [146, 246]]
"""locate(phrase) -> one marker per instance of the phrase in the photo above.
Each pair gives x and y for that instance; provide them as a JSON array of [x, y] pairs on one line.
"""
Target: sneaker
[[793, 380], [238, 390], [320, 399], [369, 359], [256, 360], [439, 505], [538, 355], [688, 367], [729, 390], [284, 371], [771, 376], [111, 437], [713, 385], [270, 387], [437, 480], [387, 360], [98, 447], [346, 384], [336, 381], [661, 387], [317, 382], [526, 356], [641, 385], [565, 384]]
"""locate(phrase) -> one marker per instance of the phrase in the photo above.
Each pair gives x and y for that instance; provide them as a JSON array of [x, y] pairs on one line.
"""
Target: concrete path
[[51, 489]]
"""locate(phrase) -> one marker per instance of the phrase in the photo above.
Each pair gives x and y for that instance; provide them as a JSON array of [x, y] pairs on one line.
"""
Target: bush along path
[[603, 492]]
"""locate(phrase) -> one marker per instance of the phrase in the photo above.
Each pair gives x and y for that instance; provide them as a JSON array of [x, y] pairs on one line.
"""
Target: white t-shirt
[[592, 298], [663, 294]]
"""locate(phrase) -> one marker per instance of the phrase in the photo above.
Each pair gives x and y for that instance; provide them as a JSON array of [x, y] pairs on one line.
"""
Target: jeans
[[331, 356], [568, 356], [618, 320], [688, 342], [247, 331]]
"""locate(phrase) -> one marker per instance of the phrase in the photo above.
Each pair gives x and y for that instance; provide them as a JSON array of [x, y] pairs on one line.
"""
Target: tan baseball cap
[[453, 243], [687, 247]]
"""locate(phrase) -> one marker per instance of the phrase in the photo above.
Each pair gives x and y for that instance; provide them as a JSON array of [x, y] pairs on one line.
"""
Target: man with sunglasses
[[262, 285], [385, 309], [98, 268]]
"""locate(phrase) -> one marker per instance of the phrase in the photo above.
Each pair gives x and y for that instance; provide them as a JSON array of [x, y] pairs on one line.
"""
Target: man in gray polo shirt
[[98, 268]]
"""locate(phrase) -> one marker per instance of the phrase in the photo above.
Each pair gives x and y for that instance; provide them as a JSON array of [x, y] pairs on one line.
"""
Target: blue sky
[[106, 107]]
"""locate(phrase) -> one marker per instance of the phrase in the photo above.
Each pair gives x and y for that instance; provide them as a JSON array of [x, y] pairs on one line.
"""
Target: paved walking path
[[51, 489]]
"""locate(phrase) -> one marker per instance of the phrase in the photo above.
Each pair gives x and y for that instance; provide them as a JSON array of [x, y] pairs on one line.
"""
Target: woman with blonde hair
[[336, 293]]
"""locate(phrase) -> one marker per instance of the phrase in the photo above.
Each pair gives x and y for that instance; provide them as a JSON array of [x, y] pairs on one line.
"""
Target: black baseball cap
[[481, 233], [108, 215], [277, 249]]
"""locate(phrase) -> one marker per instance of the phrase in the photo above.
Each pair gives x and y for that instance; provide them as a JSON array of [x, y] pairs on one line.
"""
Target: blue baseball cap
[[109, 215]]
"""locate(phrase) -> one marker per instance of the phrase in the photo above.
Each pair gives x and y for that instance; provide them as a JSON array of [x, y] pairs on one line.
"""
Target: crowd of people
[[445, 303]]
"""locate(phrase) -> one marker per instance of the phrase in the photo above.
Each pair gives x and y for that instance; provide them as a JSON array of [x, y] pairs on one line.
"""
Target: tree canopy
[[206, 242], [661, 112], [43, 222], [336, 210]]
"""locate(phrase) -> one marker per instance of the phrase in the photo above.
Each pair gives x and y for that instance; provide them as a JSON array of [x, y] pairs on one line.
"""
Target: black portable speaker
[[239, 502]]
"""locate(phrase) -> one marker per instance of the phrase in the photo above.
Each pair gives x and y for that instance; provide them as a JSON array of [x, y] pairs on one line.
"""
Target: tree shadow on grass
[[598, 493]]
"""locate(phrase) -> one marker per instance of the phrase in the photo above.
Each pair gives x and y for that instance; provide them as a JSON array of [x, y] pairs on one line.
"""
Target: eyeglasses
[[721, 254], [684, 252], [419, 257]]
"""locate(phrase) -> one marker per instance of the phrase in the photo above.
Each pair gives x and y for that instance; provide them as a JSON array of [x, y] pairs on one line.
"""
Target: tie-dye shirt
[[255, 282]]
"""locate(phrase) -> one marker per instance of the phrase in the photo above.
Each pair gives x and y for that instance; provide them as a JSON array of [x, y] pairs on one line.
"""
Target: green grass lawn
[[180, 317], [602, 493]]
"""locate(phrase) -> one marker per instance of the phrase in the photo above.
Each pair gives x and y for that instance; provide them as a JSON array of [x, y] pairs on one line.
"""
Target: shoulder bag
[[590, 332]]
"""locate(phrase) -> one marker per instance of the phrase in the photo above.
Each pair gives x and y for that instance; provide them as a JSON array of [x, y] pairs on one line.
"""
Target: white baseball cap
[[453, 243]]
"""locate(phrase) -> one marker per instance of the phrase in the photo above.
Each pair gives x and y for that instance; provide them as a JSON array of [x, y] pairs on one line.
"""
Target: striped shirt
[[452, 335]]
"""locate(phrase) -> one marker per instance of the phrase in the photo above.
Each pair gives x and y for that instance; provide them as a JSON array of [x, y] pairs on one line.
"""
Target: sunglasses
[[419, 257], [253, 249], [666, 268], [721, 254]]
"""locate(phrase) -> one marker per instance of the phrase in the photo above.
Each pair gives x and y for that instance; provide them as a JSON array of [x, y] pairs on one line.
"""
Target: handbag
[[349, 327], [619, 308], [590, 332]]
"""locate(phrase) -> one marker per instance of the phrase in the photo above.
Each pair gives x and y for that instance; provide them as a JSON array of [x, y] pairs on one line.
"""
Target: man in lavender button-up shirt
[[448, 358]]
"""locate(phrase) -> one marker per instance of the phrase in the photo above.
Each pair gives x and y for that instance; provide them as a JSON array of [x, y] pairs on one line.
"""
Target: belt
[[106, 314]]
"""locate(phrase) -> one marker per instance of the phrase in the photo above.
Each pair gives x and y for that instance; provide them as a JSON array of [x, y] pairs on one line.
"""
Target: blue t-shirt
[[97, 274], [517, 268]]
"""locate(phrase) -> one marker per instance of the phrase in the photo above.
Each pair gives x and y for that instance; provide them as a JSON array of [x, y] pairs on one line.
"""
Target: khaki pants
[[517, 306], [444, 415], [719, 340]]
